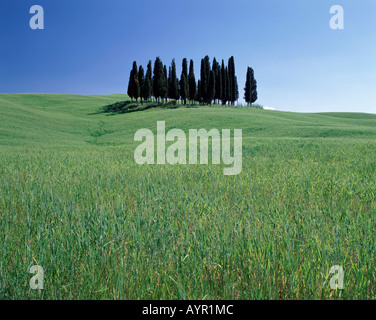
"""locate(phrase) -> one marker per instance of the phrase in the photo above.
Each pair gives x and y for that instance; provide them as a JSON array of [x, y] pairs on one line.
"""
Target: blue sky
[[300, 63]]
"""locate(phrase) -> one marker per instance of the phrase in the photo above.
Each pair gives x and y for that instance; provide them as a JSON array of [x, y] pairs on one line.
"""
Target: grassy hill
[[71, 120], [73, 200]]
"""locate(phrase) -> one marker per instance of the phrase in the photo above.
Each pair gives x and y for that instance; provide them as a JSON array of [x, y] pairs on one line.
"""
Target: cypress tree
[[202, 81], [198, 97], [185, 72], [224, 83], [218, 80], [136, 82], [184, 88], [130, 90], [134, 85], [228, 86], [236, 90], [254, 91], [185, 68], [254, 94], [165, 88], [141, 80], [159, 80], [248, 87], [191, 82], [250, 95], [233, 82], [148, 90], [215, 70], [174, 82], [169, 86], [205, 72], [211, 87], [207, 76]]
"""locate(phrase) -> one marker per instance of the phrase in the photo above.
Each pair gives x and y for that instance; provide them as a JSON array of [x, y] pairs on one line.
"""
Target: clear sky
[[300, 63]]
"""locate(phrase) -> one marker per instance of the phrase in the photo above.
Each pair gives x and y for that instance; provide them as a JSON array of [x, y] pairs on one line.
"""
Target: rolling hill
[[75, 120], [73, 200]]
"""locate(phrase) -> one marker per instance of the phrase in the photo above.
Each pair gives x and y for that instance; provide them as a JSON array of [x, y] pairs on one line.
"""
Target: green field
[[73, 200]]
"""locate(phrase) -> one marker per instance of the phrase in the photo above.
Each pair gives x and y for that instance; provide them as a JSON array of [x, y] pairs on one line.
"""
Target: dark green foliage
[[165, 85], [224, 91], [211, 87], [169, 85], [173, 87], [198, 96], [228, 85], [159, 80], [134, 85], [218, 80], [250, 89], [141, 80], [148, 91], [247, 88], [165, 89], [234, 92], [185, 68], [191, 82], [202, 81], [130, 85], [183, 88], [254, 90], [205, 71], [231, 72]]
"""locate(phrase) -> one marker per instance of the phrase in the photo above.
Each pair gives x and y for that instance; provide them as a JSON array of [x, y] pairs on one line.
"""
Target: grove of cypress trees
[[191, 82], [217, 82]]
